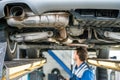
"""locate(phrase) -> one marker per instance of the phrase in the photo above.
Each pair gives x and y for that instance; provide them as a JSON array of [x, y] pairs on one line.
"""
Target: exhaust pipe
[[58, 20], [17, 12], [31, 36]]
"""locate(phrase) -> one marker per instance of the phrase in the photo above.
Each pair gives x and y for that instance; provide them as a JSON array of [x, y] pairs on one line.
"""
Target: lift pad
[[18, 68]]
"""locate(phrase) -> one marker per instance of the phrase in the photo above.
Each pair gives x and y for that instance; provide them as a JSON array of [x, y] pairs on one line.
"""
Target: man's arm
[[88, 75]]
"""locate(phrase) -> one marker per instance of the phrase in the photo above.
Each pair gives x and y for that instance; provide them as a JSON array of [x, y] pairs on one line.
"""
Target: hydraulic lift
[[12, 70], [17, 68], [105, 63]]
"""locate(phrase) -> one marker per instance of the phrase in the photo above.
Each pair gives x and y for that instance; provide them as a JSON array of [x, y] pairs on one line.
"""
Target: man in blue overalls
[[81, 70]]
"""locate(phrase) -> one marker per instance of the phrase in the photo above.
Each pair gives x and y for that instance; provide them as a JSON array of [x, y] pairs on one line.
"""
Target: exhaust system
[[17, 12], [59, 20], [31, 36], [53, 19]]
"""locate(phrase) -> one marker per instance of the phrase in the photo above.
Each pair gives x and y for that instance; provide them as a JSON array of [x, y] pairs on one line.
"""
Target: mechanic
[[81, 70]]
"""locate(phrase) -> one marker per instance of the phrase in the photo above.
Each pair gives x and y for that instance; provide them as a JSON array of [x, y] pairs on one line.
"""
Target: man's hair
[[82, 53]]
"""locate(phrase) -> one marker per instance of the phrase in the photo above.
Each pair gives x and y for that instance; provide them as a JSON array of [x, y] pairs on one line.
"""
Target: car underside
[[60, 28], [71, 28]]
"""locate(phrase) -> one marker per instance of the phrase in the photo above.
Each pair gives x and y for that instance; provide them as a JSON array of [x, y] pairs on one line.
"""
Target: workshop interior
[[40, 39]]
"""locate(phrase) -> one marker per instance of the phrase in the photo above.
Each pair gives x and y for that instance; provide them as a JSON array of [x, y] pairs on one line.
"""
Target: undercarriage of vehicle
[[79, 27]]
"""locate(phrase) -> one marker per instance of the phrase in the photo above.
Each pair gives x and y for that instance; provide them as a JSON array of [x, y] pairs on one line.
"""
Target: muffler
[[31, 36], [56, 20]]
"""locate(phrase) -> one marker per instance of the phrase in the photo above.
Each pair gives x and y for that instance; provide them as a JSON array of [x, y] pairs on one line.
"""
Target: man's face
[[75, 56]]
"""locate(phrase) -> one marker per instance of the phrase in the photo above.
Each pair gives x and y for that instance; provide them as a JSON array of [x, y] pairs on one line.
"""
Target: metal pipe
[[17, 12], [31, 36], [112, 35], [55, 19], [58, 20], [101, 39], [105, 63]]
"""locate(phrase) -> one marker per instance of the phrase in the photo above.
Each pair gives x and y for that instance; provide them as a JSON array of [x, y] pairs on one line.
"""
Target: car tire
[[102, 73]]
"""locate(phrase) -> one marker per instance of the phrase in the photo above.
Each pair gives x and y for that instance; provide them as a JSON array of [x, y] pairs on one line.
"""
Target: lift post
[[2, 55]]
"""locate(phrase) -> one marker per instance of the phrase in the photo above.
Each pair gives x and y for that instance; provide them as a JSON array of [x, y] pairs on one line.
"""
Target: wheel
[[11, 46], [32, 53], [102, 73]]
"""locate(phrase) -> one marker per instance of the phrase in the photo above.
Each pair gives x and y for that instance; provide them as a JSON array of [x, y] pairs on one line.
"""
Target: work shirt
[[83, 72]]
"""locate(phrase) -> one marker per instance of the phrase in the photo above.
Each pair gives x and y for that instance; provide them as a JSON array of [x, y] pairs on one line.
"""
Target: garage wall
[[64, 55]]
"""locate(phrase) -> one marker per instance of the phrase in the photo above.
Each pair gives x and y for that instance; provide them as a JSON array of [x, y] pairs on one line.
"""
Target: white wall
[[64, 55]]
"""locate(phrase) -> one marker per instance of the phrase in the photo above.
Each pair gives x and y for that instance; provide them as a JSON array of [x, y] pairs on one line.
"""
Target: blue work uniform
[[83, 72]]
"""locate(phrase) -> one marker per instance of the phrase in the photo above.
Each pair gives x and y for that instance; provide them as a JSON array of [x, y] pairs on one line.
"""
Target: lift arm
[[105, 63], [18, 68]]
